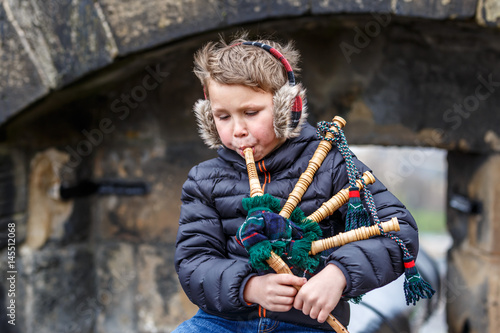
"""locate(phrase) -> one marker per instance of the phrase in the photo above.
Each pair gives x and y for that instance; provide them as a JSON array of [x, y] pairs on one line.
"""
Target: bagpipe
[[276, 237]]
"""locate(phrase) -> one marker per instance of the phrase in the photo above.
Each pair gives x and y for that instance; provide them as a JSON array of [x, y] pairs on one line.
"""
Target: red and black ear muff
[[296, 111]]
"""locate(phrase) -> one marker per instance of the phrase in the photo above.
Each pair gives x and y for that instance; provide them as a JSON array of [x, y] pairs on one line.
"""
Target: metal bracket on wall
[[104, 187], [464, 204]]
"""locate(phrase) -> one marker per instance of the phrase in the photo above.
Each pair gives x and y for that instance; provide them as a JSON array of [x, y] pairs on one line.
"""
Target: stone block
[[52, 286], [13, 184], [488, 13], [113, 302], [475, 177], [69, 39], [153, 217], [484, 188], [160, 302], [472, 291], [435, 9], [241, 11], [20, 81], [473, 278], [141, 25], [363, 6]]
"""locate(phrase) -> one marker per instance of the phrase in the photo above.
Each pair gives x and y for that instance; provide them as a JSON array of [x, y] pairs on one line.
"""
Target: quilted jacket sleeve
[[209, 278], [373, 263]]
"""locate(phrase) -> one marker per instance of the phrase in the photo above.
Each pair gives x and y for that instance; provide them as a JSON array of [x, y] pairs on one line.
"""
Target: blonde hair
[[233, 63]]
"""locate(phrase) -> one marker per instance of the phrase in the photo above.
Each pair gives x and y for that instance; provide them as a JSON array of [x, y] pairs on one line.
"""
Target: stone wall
[[51, 44], [112, 89], [473, 277]]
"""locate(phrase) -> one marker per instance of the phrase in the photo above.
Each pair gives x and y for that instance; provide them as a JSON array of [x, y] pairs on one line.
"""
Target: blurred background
[[428, 167], [97, 137]]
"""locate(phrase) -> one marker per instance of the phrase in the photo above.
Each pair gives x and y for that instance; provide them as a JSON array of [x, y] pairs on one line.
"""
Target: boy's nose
[[240, 129]]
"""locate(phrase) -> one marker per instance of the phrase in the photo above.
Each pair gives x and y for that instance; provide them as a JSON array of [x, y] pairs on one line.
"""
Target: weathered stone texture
[[68, 38], [60, 41], [468, 293], [20, 82], [162, 304], [429, 9], [13, 184], [484, 187], [478, 181], [473, 278], [139, 25], [57, 281], [238, 11], [159, 21], [436, 9], [488, 13], [363, 6], [112, 306]]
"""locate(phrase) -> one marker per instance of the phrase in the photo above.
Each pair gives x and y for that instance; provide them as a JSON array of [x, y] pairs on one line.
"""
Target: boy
[[250, 103]]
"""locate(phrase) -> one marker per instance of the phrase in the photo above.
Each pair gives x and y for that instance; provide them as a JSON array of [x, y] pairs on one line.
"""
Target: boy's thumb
[[302, 281]]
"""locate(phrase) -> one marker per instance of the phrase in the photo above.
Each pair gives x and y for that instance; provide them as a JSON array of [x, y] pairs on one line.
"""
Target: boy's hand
[[320, 295], [274, 292]]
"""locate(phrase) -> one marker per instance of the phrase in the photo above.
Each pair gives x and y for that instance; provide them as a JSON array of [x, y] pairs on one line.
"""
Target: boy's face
[[244, 118]]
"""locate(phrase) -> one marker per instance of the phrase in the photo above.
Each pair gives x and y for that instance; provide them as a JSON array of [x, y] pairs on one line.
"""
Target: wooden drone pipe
[[339, 199], [353, 236], [253, 177], [275, 261], [306, 177]]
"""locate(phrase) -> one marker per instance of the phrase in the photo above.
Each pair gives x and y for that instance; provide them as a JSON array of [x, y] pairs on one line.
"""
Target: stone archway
[[123, 112]]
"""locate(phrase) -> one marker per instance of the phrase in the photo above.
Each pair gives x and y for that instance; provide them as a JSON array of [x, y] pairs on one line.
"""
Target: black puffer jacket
[[213, 268]]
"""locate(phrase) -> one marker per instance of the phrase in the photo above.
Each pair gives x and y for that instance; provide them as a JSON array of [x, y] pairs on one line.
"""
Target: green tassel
[[312, 227], [415, 286], [298, 217], [278, 247], [259, 253], [265, 202], [299, 255], [357, 216], [357, 299]]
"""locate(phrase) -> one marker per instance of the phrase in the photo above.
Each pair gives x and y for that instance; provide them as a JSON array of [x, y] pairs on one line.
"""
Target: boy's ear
[[283, 103], [206, 124]]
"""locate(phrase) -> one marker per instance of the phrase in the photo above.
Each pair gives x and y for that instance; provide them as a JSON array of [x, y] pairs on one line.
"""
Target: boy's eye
[[251, 113], [223, 117]]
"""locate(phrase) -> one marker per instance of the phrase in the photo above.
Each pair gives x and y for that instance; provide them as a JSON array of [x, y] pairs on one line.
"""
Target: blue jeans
[[204, 322]]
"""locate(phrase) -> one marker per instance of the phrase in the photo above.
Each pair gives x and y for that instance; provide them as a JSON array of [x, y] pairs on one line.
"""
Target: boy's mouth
[[242, 149]]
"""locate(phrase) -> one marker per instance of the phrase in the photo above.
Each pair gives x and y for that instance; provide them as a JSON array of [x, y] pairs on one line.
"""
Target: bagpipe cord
[[415, 286]]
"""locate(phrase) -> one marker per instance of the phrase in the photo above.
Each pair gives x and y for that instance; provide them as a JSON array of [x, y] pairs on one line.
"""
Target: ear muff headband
[[279, 56], [296, 111]]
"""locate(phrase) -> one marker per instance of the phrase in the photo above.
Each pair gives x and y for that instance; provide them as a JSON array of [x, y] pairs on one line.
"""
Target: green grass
[[430, 221]]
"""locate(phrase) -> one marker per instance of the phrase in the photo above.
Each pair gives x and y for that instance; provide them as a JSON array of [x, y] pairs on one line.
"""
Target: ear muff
[[297, 105], [206, 123], [284, 100]]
